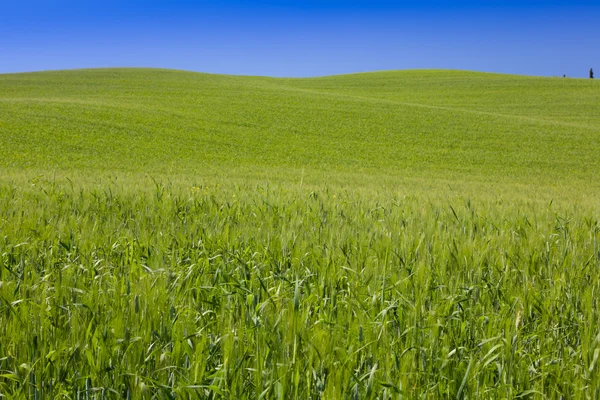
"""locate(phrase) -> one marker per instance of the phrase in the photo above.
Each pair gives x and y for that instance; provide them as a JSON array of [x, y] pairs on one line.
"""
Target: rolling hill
[[453, 125]]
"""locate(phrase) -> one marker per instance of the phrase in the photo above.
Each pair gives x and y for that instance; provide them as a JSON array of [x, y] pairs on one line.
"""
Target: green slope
[[433, 124], [170, 234]]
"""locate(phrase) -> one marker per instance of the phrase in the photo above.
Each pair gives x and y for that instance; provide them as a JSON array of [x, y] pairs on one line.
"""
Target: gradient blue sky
[[302, 38]]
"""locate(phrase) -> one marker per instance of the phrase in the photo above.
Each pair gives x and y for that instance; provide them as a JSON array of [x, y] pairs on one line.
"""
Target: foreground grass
[[272, 291]]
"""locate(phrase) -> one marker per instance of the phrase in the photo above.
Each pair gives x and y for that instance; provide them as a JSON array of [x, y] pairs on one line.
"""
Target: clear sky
[[302, 38]]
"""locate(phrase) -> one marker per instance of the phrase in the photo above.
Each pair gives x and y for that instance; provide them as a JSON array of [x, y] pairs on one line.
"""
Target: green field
[[402, 234]]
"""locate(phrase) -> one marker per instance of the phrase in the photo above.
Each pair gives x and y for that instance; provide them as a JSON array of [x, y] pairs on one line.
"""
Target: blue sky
[[302, 38]]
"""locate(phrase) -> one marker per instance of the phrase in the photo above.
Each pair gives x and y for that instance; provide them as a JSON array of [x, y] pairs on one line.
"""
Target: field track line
[[445, 108], [321, 93], [106, 104]]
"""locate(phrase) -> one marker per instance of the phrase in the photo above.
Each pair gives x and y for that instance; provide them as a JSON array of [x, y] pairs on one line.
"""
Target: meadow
[[402, 234]]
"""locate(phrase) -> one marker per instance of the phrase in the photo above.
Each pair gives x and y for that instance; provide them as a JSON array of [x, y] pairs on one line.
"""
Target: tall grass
[[273, 291], [424, 234]]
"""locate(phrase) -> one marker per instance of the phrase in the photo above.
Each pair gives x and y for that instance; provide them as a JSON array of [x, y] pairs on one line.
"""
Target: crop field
[[391, 235]]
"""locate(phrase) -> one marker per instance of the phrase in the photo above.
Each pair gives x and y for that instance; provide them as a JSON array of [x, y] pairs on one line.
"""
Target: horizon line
[[285, 77]]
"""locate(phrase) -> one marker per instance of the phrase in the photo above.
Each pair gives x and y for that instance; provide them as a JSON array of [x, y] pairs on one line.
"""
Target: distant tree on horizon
[[591, 73]]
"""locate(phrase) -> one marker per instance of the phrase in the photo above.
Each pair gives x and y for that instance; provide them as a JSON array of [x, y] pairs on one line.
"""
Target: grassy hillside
[[418, 234], [434, 124]]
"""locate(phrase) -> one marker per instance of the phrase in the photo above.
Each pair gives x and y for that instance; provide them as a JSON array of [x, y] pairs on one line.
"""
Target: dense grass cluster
[[272, 292]]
